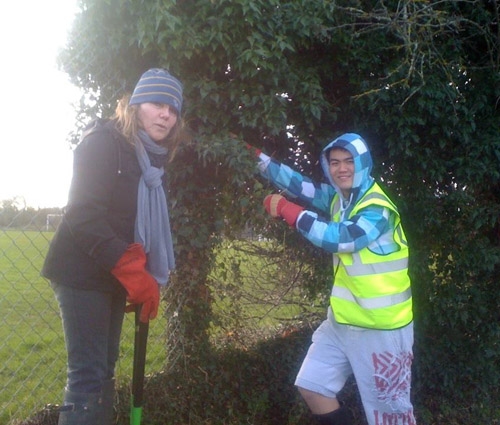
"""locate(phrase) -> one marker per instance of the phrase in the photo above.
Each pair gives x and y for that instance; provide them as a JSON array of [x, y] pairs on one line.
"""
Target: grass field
[[32, 353]]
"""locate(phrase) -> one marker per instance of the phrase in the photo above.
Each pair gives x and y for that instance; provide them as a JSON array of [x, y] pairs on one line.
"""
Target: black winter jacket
[[98, 222]]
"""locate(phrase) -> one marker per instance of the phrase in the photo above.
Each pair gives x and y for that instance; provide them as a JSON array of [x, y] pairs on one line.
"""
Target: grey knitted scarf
[[152, 224]]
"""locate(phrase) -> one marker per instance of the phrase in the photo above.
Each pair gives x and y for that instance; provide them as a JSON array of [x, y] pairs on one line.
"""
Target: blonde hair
[[128, 124]]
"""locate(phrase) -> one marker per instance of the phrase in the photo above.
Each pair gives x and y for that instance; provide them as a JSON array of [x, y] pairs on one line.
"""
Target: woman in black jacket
[[114, 244]]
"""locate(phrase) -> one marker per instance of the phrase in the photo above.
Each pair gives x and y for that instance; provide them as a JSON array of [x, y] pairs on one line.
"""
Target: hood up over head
[[363, 164]]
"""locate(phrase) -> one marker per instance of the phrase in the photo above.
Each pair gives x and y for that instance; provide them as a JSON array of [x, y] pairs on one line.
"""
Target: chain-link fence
[[32, 353], [250, 298], [253, 292]]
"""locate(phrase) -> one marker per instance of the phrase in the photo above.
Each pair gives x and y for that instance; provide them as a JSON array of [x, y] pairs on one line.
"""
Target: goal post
[[52, 222]]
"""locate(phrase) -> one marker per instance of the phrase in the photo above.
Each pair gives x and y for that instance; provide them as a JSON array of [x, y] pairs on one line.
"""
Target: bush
[[255, 386]]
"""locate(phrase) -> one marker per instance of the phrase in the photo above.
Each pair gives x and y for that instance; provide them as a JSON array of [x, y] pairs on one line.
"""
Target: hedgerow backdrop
[[419, 80]]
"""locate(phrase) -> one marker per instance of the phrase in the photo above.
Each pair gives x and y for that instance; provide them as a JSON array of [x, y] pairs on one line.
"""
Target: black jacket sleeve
[[88, 215]]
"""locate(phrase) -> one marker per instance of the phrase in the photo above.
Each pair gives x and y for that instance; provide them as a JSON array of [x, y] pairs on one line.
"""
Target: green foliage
[[258, 285], [254, 385], [420, 80], [232, 387]]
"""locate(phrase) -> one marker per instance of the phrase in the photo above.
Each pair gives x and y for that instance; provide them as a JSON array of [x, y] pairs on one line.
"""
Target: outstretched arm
[[295, 185], [362, 230]]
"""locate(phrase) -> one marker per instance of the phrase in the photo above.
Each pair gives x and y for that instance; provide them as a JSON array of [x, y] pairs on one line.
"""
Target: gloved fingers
[[273, 205], [149, 310], [130, 308], [146, 312], [153, 311], [255, 151]]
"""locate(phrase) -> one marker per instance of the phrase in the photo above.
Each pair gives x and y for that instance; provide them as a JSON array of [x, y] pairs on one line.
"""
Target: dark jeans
[[92, 323]]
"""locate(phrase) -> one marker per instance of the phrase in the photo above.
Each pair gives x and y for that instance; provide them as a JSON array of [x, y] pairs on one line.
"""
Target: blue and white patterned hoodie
[[350, 234]]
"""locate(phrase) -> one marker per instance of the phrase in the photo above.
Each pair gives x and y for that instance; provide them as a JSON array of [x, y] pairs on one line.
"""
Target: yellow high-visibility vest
[[372, 290]]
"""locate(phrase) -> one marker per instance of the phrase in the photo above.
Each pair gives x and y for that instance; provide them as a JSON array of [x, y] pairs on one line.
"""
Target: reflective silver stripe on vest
[[399, 231], [371, 303], [360, 269], [375, 195]]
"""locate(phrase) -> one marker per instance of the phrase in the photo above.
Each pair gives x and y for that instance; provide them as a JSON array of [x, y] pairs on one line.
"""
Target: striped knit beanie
[[158, 86]]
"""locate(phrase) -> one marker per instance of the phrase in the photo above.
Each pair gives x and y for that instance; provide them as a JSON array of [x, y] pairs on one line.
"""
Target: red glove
[[141, 287], [255, 151], [279, 206]]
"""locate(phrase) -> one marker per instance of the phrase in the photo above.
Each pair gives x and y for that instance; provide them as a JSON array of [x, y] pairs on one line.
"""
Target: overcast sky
[[37, 113]]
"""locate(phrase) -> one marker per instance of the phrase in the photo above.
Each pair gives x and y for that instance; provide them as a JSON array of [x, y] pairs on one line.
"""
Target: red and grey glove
[[141, 286], [253, 150], [279, 206]]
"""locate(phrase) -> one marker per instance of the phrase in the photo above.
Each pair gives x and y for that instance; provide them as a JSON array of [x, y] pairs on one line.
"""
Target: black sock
[[340, 416]]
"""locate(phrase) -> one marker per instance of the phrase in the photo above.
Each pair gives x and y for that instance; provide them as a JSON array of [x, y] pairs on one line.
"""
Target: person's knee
[[318, 403]]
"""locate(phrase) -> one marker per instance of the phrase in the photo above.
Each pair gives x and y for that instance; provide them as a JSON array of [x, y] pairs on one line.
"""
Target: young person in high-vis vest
[[368, 331]]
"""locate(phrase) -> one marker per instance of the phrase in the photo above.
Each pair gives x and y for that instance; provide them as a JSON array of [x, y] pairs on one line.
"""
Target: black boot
[[340, 416], [81, 409]]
